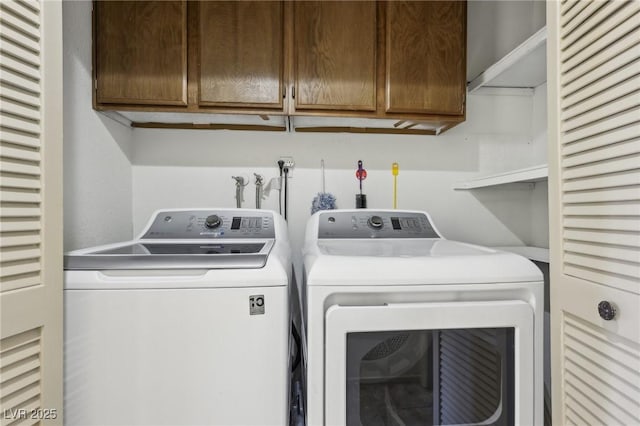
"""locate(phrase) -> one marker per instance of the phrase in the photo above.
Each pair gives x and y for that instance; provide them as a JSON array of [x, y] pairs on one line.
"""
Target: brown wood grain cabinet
[[425, 57], [398, 60], [334, 55], [241, 51], [140, 52]]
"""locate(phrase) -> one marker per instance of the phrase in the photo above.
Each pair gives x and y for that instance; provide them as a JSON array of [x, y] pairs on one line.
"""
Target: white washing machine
[[186, 325], [407, 328]]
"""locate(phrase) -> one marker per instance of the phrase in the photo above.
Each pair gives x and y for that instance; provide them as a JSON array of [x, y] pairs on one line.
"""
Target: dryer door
[[430, 364]]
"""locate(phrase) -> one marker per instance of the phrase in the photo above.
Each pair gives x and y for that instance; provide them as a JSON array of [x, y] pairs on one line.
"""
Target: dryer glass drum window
[[430, 377]]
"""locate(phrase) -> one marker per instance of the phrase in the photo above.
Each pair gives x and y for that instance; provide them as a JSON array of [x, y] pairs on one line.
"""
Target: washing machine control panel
[[202, 224], [375, 224]]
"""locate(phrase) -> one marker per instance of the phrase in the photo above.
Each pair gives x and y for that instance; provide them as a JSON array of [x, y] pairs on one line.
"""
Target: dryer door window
[[430, 377], [429, 364]]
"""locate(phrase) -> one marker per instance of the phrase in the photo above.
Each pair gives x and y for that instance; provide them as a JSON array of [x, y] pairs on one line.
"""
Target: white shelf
[[528, 175], [523, 67], [534, 253]]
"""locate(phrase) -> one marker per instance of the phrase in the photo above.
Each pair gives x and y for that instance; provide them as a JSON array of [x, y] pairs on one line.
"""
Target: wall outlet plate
[[289, 163]]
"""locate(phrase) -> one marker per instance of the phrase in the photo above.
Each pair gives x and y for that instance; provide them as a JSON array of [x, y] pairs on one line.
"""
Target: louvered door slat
[[597, 408], [616, 41], [605, 388], [602, 140], [583, 36], [24, 98], [17, 181], [575, 419], [593, 236], [20, 282], [614, 150], [571, 9], [616, 252], [13, 122], [8, 195], [626, 209], [626, 88], [20, 225], [604, 180], [583, 89], [18, 137], [26, 56], [609, 394], [21, 67], [19, 153], [14, 108], [625, 118], [26, 11], [612, 223], [606, 74], [21, 253], [19, 167], [604, 195], [629, 270], [23, 25], [569, 24], [601, 112], [19, 239], [9, 34]]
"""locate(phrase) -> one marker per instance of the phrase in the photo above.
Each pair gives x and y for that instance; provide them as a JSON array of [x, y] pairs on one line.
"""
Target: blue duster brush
[[324, 200]]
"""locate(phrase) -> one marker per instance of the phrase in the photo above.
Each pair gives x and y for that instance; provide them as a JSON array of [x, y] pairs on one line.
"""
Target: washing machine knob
[[375, 222], [212, 221]]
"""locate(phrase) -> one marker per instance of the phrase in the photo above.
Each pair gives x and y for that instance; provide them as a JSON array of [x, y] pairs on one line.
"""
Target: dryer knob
[[375, 222], [212, 221]]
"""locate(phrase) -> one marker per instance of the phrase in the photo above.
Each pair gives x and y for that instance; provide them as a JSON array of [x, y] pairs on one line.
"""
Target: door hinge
[[293, 92], [284, 92]]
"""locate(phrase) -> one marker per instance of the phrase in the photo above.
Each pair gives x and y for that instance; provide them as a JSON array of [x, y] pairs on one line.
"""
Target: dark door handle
[[606, 310]]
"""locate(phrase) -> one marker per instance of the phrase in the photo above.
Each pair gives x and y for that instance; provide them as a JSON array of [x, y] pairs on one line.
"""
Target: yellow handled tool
[[394, 172]]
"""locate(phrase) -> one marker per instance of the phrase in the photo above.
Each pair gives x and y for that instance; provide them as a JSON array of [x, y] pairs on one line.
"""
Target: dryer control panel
[[206, 224], [374, 224]]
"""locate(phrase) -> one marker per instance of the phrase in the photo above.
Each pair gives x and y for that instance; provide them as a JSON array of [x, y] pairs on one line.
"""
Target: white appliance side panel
[[168, 357]]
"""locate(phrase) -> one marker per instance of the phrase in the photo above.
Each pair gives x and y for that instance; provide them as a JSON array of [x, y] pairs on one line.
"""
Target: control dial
[[375, 222], [212, 221]]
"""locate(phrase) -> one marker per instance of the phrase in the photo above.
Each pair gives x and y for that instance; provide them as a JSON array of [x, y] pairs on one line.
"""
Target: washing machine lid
[[144, 254], [190, 239]]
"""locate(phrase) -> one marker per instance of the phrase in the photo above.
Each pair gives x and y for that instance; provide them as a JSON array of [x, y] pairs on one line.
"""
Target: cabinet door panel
[[426, 44], [335, 55], [141, 52], [241, 53]]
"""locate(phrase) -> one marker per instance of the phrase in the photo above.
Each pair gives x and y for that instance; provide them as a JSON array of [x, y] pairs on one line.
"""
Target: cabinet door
[[141, 52], [335, 55], [241, 54], [426, 57]]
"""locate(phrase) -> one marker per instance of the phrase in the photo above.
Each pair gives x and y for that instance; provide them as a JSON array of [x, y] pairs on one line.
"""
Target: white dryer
[[407, 328], [186, 325]]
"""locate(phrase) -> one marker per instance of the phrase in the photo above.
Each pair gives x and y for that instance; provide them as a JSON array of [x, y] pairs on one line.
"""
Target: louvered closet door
[[594, 188], [30, 212]]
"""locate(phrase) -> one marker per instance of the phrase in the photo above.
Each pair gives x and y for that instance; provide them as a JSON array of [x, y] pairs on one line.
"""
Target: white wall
[[97, 169], [187, 168], [494, 28], [115, 177]]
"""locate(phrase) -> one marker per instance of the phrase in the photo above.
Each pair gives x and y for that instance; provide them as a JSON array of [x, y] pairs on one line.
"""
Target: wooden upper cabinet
[[241, 52], [334, 55], [426, 57], [141, 52]]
